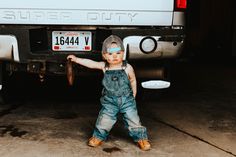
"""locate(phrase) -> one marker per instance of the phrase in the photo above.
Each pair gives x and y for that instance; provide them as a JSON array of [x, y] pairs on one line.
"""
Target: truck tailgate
[[88, 12]]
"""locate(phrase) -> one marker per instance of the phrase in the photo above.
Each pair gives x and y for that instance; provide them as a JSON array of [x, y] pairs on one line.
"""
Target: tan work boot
[[94, 142], [144, 144]]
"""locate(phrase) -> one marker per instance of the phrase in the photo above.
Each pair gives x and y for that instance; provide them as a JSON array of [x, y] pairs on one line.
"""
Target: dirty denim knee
[[132, 120], [106, 119], [103, 126]]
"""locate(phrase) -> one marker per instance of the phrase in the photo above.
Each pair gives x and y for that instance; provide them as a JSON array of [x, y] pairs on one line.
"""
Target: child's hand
[[72, 58]]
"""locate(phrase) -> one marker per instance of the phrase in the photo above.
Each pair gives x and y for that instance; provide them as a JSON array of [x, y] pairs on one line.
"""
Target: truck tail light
[[180, 5]]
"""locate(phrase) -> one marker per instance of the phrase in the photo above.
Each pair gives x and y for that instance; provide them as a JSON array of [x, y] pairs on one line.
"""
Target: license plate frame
[[71, 40]]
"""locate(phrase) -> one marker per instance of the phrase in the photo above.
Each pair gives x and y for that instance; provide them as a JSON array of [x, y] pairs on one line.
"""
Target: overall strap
[[106, 66], [124, 64]]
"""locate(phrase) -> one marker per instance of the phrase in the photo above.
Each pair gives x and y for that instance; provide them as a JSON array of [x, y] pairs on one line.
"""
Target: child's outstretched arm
[[132, 79], [86, 62]]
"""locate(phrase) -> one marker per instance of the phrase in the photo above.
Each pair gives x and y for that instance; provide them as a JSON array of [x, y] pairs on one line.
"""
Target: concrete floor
[[195, 117]]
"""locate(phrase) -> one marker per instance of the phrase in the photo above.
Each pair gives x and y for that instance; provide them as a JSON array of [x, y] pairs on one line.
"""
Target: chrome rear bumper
[[9, 48], [164, 49]]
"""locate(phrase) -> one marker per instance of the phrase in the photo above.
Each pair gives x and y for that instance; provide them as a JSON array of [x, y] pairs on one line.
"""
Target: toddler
[[118, 94]]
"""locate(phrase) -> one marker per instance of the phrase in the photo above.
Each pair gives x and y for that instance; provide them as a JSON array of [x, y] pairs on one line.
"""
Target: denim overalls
[[117, 97]]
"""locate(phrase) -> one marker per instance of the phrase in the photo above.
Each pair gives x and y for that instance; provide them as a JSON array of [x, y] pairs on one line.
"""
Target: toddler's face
[[115, 55]]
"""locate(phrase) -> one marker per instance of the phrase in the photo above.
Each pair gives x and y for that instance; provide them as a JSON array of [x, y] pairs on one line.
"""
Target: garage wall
[[210, 27], [234, 38]]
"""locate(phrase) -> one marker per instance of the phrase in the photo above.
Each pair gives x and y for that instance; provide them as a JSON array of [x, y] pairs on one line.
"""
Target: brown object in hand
[[70, 72]]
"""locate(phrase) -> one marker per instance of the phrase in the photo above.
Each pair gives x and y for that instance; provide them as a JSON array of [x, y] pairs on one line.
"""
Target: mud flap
[[1, 94], [0, 76]]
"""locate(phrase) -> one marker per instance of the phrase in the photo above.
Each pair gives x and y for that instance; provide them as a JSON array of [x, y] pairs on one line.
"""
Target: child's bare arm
[[132, 79], [86, 62]]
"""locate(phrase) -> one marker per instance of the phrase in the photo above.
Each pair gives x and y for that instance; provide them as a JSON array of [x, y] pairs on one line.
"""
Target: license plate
[[71, 41]]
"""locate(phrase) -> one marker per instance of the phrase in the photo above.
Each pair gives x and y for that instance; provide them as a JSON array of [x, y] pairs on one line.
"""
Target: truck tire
[[4, 96]]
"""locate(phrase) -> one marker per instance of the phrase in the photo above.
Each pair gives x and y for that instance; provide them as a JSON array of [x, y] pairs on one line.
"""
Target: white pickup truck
[[36, 36]]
